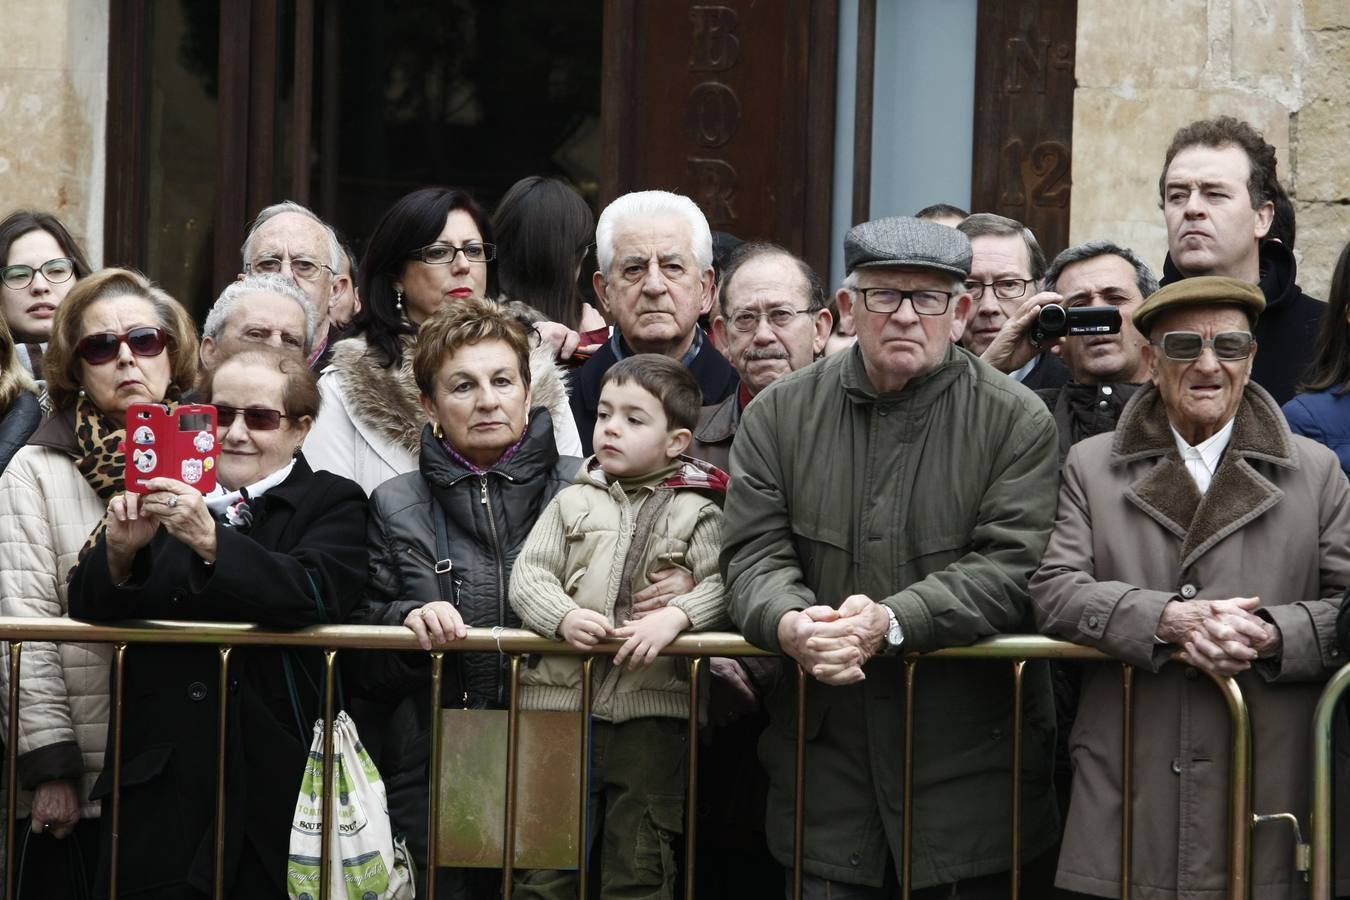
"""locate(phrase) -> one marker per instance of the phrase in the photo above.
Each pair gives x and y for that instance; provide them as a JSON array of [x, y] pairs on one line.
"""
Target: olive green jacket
[[936, 500]]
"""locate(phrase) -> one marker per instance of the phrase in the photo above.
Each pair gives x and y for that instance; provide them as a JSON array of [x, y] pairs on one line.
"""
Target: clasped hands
[[832, 644], [1219, 636]]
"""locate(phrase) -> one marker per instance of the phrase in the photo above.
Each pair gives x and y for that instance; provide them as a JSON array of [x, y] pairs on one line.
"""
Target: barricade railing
[[515, 643], [1320, 827]]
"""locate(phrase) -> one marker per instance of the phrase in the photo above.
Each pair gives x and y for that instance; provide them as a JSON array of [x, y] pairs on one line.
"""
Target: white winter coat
[[49, 510]]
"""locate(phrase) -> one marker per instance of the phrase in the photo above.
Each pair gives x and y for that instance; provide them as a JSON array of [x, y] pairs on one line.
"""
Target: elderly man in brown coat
[[1200, 529]]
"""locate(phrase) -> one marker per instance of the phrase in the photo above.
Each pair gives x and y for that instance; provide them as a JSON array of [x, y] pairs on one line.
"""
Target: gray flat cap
[[902, 241]]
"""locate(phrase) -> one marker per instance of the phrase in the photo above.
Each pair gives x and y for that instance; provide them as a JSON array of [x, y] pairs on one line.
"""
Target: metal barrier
[[1320, 833], [1016, 649]]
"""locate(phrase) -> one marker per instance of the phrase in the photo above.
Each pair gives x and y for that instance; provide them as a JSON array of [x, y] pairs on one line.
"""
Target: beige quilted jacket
[[47, 511]]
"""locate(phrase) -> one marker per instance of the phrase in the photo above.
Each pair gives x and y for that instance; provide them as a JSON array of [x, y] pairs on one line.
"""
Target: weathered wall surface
[[1146, 68], [53, 98]]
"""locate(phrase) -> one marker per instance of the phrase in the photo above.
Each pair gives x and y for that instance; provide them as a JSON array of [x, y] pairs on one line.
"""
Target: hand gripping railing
[[1016, 649]]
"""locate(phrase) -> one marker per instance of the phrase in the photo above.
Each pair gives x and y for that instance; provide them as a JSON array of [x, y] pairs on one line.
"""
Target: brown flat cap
[[1202, 290]]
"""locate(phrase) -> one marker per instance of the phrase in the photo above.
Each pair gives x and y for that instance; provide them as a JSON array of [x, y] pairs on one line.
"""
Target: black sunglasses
[[256, 418], [97, 349]]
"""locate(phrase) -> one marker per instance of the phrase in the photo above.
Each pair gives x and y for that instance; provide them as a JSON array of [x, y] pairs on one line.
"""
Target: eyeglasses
[[1185, 346], [97, 349], [781, 317], [439, 254], [256, 418], [888, 300], [301, 267], [1004, 288], [56, 271]]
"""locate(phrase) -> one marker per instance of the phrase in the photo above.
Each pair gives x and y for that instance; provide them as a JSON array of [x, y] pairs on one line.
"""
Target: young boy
[[638, 506]]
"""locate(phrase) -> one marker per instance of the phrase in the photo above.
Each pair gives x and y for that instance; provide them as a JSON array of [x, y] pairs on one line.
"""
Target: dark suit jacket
[[309, 528], [710, 369]]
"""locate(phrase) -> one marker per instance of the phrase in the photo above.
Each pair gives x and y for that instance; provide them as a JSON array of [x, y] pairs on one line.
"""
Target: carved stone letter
[[716, 47], [714, 184], [714, 112]]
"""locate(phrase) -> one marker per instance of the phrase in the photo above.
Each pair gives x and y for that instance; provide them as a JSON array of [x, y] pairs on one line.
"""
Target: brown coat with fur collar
[[1132, 534]]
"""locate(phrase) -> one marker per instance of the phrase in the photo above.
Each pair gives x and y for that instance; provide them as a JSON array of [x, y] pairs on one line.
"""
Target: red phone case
[[180, 444]]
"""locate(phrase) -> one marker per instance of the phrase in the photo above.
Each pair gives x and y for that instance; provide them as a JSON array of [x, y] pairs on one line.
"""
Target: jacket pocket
[[822, 546]]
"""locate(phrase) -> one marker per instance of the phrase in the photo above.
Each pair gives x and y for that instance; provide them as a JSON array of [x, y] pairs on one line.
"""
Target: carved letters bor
[[713, 111]]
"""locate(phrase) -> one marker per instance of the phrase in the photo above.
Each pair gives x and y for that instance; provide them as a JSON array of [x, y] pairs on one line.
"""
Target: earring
[[398, 301], [438, 431]]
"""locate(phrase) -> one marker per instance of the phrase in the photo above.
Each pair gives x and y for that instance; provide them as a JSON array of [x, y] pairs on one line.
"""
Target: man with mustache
[[655, 278], [1218, 192], [772, 320], [1105, 369]]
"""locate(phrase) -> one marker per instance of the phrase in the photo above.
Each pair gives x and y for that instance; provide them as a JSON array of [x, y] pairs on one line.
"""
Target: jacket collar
[[690, 474], [57, 432], [537, 455], [1239, 492], [721, 423], [921, 390], [1278, 278]]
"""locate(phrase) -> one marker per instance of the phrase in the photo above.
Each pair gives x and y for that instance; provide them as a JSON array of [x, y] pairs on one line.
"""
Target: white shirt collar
[[1022, 373], [1202, 460]]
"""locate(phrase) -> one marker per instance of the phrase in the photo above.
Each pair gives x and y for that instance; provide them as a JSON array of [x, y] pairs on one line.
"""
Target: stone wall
[[1146, 68], [53, 101]]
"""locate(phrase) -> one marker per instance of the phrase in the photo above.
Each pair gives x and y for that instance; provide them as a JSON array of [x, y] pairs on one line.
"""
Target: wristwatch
[[895, 635]]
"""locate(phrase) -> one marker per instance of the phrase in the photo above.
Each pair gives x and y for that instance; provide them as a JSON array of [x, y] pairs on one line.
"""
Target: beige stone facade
[[1146, 68], [53, 101]]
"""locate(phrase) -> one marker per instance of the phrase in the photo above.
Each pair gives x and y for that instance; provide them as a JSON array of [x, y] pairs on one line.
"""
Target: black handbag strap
[[443, 565], [289, 667]]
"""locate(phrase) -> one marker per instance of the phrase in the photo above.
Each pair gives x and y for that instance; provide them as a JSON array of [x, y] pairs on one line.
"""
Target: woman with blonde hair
[[116, 340], [20, 411]]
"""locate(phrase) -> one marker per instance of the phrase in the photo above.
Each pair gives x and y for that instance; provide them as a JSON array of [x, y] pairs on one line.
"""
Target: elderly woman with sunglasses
[[275, 544], [433, 247], [116, 340]]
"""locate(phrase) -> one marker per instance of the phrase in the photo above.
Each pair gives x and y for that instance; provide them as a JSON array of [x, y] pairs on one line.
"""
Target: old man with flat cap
[[888, 500], [1199, 537]]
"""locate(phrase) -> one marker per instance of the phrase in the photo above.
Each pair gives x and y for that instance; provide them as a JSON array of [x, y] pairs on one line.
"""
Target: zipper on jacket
[[501, 571]]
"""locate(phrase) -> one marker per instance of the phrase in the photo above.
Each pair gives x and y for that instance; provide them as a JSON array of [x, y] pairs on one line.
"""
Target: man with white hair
[[258, 309], [654, 249], [288, 239]]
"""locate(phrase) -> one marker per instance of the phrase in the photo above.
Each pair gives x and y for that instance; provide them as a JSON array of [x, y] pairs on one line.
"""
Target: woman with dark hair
[[20, 411], [274, 544], [544, 229], [116, 340], [434, 246], [1323, 412], [39, 263]]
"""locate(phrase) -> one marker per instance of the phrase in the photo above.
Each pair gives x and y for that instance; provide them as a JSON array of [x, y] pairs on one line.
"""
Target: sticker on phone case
[[192, 470], [144, 460], [204, 441], [144, 435]]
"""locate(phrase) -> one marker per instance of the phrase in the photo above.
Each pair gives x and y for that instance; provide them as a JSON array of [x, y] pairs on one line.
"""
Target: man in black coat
[[655, 279], [1218, 190]]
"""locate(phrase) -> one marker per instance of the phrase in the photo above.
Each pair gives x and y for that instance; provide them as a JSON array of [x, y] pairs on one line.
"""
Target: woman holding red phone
[[116, 340], [275, 543]]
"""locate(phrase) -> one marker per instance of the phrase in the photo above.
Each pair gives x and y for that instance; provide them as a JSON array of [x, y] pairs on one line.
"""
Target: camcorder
[[1056, 322]]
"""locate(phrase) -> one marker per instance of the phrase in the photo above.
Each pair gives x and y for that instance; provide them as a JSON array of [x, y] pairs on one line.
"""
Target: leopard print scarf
[[102, 461]]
